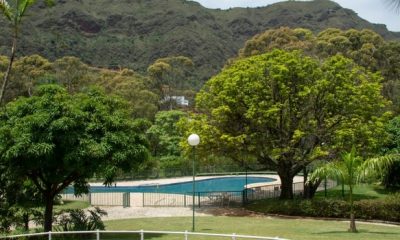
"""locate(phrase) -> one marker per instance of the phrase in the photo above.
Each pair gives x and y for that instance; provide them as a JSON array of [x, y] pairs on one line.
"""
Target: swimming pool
[[205, 185]]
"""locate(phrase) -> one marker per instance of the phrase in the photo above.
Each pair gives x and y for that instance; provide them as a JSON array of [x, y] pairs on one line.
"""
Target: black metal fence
[[200, 199]]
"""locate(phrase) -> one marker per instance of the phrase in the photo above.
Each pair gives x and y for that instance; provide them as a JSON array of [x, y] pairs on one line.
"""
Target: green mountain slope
[[133, 33]]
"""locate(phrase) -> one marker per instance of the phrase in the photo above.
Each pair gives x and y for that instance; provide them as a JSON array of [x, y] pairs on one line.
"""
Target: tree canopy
[[364, 47], [56, 139], [170, 74], [287, 110]]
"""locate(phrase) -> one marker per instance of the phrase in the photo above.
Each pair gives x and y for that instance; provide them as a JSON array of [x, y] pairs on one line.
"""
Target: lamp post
[[193, 141]]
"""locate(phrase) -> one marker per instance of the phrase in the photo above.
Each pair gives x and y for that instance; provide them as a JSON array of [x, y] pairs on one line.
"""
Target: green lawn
[[295, 229], [69, 204], [364, 191]]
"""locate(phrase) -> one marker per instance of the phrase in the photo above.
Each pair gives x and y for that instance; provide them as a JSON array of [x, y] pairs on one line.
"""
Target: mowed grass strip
[[72, 204], [360, 192], [295, 229]]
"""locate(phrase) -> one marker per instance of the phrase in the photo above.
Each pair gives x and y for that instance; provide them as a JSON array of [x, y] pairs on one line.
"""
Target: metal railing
[[140, 233]]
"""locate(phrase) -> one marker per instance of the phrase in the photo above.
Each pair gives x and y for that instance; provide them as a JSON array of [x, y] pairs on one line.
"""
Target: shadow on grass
[[130, 236], [361, 192], [359, 231], [337, 194], [104, 236], [386, 191]]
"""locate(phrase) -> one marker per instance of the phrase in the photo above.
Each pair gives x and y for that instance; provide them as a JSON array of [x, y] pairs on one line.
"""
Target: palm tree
[[351, 170], [14, 11], [395, 4]]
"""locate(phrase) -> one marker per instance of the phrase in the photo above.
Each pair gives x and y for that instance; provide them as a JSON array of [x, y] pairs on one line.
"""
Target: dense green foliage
[[287, 110], [386, 209], [56, 139], [392, 146], [365, 47], [164, 134], [134, 34], [170, 75], [80, 220], [30, 72]]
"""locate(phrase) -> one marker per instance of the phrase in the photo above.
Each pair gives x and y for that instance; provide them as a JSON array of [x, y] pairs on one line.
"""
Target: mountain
[[133, 33]]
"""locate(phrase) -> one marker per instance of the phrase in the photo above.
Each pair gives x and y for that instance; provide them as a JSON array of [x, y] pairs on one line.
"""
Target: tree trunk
[[25, 219], [310, 189], [48, 213], [352, 223], [286, 184], [8, 71], [352, 218]]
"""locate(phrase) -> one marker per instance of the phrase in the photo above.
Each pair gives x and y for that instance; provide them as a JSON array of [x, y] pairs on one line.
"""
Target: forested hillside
[[134, 33]]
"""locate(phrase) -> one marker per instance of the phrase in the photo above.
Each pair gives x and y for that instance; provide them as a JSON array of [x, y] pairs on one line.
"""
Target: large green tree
[[164, 134], [56, 139], [365, 47], [287, 110]]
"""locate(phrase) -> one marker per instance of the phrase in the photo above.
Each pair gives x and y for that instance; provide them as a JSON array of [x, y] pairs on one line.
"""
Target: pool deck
[[137, 199], [297, 179]]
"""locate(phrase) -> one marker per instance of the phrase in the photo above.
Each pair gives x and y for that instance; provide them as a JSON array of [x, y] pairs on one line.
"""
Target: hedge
[[387, 209]]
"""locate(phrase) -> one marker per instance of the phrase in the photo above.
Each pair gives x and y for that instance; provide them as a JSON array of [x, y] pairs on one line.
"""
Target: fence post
[[97, 234], [186, 235], [184, 201], [50, 235], [234, 236], [141, 234], [90, 198], [143, 199]]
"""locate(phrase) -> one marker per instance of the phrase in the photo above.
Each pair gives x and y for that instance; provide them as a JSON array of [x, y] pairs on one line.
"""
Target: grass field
[[360, 192], [295, 229], [69, 204]]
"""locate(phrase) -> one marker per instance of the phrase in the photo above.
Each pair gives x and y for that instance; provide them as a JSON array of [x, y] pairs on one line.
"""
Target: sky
[[374, 11]]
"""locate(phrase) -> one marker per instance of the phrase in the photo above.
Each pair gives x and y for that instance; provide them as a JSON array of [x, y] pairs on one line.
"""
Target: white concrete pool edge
[[297, 179]]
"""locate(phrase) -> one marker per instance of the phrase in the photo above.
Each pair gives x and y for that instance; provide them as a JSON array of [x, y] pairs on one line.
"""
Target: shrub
[[79, 220]]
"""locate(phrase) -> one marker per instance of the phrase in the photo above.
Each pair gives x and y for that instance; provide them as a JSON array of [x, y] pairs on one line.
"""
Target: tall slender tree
[[350, 170], [14, 11]]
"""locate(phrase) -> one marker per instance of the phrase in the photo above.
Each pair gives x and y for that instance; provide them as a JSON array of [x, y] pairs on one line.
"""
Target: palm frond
[[329, 170], [378, 165], [394, 5], [6, 9], [23, 5]]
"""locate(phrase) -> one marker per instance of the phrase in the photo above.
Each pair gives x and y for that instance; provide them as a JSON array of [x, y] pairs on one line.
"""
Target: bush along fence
[[201, 199], [387, 209]]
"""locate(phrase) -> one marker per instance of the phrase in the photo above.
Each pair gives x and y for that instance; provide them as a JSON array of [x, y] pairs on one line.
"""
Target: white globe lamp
[[193, 140]]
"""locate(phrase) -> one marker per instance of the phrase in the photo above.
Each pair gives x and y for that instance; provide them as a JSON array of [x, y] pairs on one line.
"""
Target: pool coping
[[165, 181]]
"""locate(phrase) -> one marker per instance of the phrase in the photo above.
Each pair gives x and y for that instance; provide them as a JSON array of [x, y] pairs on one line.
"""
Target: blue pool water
[[206, 185]]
